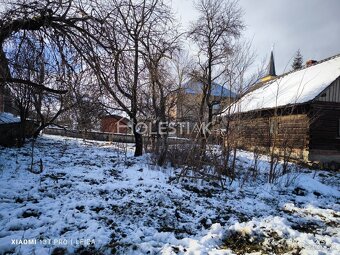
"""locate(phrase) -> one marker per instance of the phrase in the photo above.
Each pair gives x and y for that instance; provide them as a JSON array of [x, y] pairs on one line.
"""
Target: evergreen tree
[[298, 61]]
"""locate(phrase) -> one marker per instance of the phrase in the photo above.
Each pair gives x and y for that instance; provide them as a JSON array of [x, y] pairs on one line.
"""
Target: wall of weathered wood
[[284, 133], [311, 131], [332, 93], [324, 132]]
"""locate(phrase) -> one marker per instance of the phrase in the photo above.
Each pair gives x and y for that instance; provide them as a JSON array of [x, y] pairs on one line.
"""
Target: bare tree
[[218, 24], [24, 61], [57, 19], [121, 69], [51, 31], [158, 49]]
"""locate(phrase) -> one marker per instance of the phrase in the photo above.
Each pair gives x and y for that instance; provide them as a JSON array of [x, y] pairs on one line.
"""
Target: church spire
[[271, 74], [271, 65]]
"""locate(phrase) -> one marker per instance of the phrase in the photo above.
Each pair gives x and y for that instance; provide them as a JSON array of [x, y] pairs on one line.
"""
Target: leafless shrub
[[187, 157], [292, 173], [256, 157]]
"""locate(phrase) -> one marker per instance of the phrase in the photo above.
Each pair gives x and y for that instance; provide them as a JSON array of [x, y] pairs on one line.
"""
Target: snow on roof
[[193, 87], [6, 117], [292, 88]]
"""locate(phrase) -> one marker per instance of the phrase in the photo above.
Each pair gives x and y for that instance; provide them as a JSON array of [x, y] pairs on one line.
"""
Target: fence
[[103, 136]]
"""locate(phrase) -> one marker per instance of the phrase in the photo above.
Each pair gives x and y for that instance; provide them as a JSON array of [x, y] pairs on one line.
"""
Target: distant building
[[189, 98], [271, 74], [9, 124], [297, 112], [6, 102], [115, 124], [11, 128]]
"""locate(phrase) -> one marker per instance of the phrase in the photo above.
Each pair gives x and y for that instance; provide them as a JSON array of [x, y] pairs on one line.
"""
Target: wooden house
[[296, 113]]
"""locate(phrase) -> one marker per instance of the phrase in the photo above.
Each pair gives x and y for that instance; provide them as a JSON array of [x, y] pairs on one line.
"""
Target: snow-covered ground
[[91, 198]]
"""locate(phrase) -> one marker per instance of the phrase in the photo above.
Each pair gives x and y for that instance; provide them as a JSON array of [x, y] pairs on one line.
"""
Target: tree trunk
[[163, 142], [139, 144], [22, 136], [138, 140]]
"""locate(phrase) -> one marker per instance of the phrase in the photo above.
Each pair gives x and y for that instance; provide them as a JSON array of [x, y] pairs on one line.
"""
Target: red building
[[115, 124]]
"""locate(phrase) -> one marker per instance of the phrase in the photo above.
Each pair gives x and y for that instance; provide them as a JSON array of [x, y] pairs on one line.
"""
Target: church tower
[[271, 74]]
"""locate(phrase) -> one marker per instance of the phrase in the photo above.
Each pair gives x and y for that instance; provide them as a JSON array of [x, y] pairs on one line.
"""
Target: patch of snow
[[313, 185], [94, 191]]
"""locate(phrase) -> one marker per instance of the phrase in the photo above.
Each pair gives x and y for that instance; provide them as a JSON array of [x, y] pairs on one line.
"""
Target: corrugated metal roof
[[296, 87], [193, 87]]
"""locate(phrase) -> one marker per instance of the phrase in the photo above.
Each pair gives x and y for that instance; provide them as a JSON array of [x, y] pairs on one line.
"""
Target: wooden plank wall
[[281, 132], [324, 131], [332, 93]]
